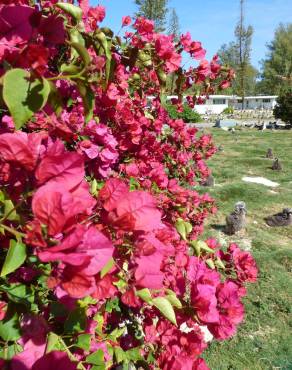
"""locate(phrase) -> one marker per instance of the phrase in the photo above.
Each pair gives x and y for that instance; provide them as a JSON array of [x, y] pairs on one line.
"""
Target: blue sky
[[212, 21]]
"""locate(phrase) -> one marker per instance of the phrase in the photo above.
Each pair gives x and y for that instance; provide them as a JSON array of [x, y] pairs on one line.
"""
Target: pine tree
[[173, 26], [173, 29], [236, 54], [155, 10], [243, 40], [277, 67]]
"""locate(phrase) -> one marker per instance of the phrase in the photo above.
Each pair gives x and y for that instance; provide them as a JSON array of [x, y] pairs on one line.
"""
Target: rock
[[260, 180]]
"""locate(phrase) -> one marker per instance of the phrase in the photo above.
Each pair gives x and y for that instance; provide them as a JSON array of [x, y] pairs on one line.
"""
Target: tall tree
[[229, 56], [243, 36], [173, 29], [173, 25], [237, 55], [277, 67], [155, 10]]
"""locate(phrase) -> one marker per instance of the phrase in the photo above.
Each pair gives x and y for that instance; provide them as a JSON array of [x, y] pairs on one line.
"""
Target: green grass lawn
[[264, 340]]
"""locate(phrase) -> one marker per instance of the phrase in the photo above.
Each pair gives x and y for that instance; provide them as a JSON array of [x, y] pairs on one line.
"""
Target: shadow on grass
[[219, 228]]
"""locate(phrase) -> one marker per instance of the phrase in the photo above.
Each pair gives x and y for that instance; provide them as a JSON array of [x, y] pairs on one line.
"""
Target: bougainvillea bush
[[102, 264]]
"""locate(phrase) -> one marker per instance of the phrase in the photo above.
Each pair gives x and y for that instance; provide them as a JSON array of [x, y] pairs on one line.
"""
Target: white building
[[215, 104], [256, 102]]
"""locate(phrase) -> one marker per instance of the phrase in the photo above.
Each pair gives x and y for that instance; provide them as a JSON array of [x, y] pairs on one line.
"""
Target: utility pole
[[241, 20], [244, 38]]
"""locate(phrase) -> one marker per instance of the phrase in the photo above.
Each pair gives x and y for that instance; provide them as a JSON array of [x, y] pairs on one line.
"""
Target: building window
[[266, 100], [219, 101], [239, 101]]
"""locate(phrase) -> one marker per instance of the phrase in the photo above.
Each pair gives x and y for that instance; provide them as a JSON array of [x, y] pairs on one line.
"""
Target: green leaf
[[107, 267], [200, 245], [15, 257], [145, 295], [173, 300], [181, 229], [112, 305], [76, 321], [88, 99], [9, 326], [73, 10], [75, 36], [164, 306], [188, 227], [57, 309], [119, 354], [204, 246], [70, 69], [55, 99], [116, 333], [82, 52], [19, 293], [53, 342], [134, 354], [8, 352], [24, 96], [10, 211], [96, 358], [83, 341], [210, 263], [86, 301], [219, 263]]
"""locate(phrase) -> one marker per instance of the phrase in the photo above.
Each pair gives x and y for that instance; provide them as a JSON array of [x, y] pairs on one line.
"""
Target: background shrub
[[283, 109]]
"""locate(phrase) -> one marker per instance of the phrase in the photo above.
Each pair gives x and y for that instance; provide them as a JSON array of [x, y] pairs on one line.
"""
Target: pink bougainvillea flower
[[87, 248], [126, 21], [229, 301], [197, 51], [21, 149], [3, 306], [96, 15], [105, 288], [245, 264], [34, 332], [56, 207], [145, 28], [56, 360], [148, 273], [61, 167], [200, 364], [15, 26], [32, 351], [174, 62], [77, 284], [112, 191], [139, 207], [224, 85], [205, 302], [52, 29], [50, 206]]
